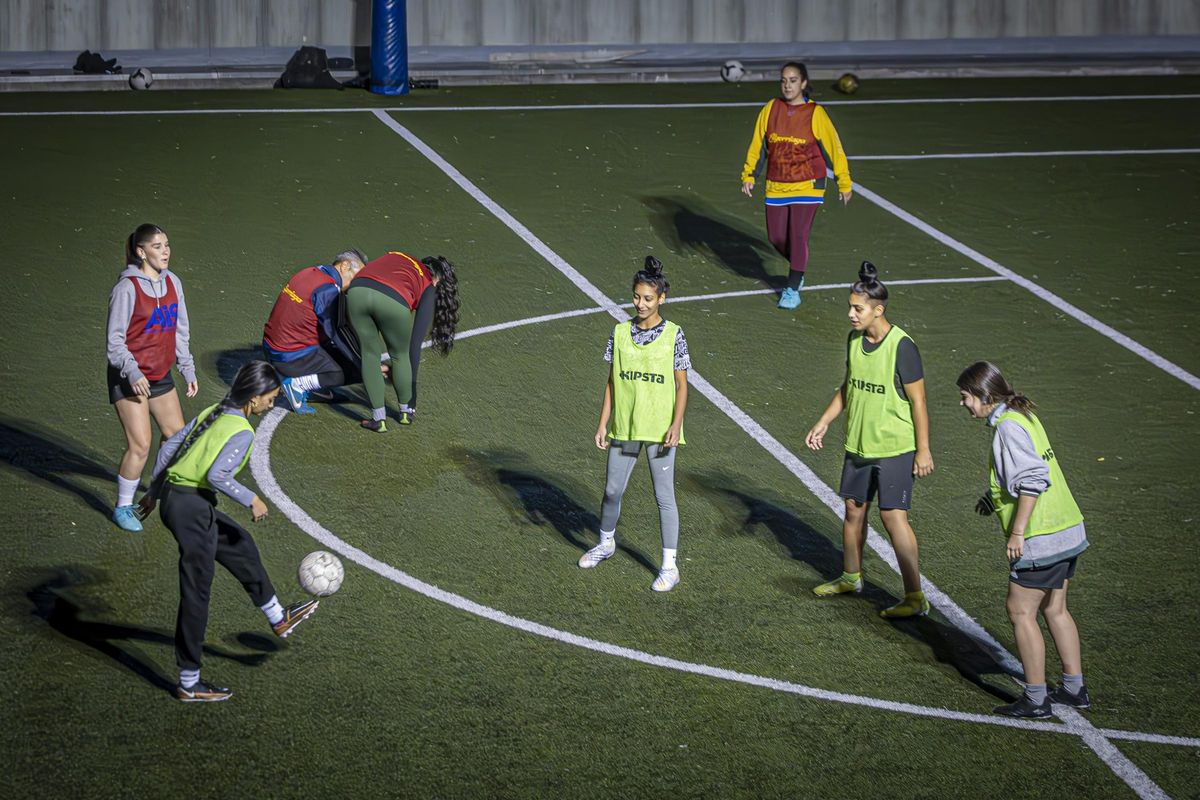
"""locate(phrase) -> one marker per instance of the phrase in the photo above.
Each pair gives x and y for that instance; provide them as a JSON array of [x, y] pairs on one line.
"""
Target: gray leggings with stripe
[[662, 474]]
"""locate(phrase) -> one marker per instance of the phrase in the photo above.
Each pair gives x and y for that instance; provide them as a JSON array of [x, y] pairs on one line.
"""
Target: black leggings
[[207, 537]]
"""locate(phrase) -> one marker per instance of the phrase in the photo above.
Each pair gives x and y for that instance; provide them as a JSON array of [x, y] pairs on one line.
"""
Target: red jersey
[[293, 324], [793, 154], [150, 336], [402, 273]]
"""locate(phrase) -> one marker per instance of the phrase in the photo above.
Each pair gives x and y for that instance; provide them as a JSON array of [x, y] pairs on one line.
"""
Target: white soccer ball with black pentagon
[[141, 79], [321, 573], [732, 71]]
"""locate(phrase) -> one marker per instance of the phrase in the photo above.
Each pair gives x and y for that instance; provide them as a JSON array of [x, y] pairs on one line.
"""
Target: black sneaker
[[202, 692], [377, 425], [1061, 695], [1024, 707]]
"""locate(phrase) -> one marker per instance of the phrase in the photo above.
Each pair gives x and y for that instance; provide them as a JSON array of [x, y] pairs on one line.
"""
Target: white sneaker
[[597, 554], [667, 580]]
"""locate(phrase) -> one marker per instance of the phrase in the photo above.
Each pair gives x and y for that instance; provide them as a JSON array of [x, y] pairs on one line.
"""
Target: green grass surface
[[495, 491]]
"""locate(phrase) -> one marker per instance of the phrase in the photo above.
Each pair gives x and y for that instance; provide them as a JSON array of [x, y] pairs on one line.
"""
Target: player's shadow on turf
[[228, 362], [58, 600], [534, 499], [25, 447], [948, 644], [687, 223]]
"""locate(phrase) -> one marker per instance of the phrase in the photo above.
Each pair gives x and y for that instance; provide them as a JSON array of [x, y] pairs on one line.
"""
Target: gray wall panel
[[559, 21], [1078, 18], [871, 19], [23, 25], [236, 23], [291, 23], [821, 21], [769, 21], [336, 22], [127, 25], [1177, 17], [716, 21], [611, 21], [72, 25], [507, 21], [453, 22], [184, 23], [923, 19], [1029, 17], [976, 19], [664, 21]]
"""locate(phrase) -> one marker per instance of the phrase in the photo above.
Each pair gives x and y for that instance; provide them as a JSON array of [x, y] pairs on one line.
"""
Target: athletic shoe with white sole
[[597, 554], [789, 299], [127, 519], [1025, 708], [839, 585], [1061, 695], [297, 399], [202, 692], [293, 615], [914, 604], [667, 580]]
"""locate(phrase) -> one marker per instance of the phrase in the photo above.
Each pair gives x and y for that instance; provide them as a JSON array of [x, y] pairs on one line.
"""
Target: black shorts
[[1051, 577], [328, 365], [890, 478], [121, 389]]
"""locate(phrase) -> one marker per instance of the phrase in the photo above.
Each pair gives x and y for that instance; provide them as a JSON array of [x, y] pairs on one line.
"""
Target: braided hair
[[445, 307], [652, 275], [983, 380], [868, 283]]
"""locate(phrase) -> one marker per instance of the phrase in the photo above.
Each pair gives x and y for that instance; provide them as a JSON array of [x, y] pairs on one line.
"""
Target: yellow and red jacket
[[796, 143]]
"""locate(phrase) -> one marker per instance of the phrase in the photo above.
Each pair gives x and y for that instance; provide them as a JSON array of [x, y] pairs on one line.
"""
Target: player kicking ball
[[192, 467]]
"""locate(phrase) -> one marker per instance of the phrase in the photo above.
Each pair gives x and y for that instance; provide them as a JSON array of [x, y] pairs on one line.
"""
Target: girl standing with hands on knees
[[887, 440], [643, 406], [147, 334], [1028, 494]]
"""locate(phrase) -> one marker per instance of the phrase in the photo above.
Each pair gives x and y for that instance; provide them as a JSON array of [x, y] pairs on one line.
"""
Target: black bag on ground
[[90, 63], [308, 68]]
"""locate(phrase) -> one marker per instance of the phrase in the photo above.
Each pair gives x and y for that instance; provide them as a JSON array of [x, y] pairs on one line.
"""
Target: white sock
[[126, 487], [189, 677], [379, 414], [273, 610], [306, 383], [607, 538], [668, 558], [406, 409]]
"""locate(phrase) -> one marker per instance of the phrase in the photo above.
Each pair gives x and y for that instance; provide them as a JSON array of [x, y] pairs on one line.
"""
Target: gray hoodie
[[120, 312]]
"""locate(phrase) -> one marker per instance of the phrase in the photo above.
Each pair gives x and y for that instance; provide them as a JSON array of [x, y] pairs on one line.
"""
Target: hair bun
[[867, 273], [653, 266]]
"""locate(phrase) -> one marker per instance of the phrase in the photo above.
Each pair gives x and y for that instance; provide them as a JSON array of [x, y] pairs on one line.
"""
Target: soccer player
[[301, 337], [192, 466], [795, 138], [887, 440], [644, 399], [397, 299], [147, 334], [1028, 493]]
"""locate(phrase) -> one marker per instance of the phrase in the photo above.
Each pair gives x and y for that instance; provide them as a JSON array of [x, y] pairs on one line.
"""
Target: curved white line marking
[[1162, 151]]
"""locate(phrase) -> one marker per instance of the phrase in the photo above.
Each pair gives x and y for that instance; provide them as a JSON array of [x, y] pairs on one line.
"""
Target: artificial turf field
[[494, 493]]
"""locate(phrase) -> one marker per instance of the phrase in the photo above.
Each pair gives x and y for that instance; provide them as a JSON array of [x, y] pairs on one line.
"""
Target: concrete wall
[[165, 24]]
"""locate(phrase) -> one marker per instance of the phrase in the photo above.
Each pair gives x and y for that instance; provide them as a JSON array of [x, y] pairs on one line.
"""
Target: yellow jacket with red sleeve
[[795, 143]]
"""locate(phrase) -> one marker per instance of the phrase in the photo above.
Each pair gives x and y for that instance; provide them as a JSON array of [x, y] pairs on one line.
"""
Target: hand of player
[[748, 188], [923, 463], [985, 507], [816, 436], [141, 387], [146, 506], [192, 388], [386, 369], [672, 438], [601, 438], [258, 509], [845, 197], [1016, 546]]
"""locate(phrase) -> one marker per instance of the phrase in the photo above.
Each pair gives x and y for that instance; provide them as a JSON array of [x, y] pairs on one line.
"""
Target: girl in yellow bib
[[644, 400], [1029, 495], [887, 440]]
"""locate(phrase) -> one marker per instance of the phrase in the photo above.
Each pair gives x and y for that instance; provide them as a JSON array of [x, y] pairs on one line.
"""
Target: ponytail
[[445, 307], [651, 274], [144, 233], [984, 381]]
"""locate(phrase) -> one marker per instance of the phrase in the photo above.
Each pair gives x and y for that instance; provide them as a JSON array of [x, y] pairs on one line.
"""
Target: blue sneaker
[[126, 519], [789, 299], [297, 400]]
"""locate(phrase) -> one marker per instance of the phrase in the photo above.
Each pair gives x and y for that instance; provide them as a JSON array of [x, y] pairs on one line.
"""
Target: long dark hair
[[868, 283], [445, 307], [144, 233], [983, 380], [652, 275], [803, 70]]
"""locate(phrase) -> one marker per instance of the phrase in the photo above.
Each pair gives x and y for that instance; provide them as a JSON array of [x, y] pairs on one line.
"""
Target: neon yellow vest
[[878, 420], [1056, 509], [192, 468], [643, 379]]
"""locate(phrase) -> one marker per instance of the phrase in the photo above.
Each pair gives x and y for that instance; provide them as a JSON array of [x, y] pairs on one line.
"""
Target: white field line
[[1129, 772], [596, 106], [1161, 151], [988, 263]]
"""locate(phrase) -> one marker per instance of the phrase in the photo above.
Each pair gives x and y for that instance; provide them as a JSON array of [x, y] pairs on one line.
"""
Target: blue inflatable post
[[389, 47]]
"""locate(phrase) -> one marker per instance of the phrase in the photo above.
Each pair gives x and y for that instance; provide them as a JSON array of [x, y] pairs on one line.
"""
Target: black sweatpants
[[206, 538]]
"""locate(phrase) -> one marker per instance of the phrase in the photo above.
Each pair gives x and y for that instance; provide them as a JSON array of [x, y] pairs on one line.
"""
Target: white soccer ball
[[321, 573], [732, 71], [141, 79]]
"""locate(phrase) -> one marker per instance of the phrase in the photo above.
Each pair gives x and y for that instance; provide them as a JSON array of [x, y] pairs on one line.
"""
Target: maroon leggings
[[788, 227]]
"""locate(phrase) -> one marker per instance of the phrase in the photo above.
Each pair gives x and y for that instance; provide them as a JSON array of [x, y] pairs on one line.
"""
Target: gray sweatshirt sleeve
[[120, 312], [183, 354], [221, 473], [1019, 468], [167, 449]]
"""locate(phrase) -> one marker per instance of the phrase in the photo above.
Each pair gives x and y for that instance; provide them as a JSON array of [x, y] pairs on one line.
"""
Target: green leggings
[[374, 315]]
